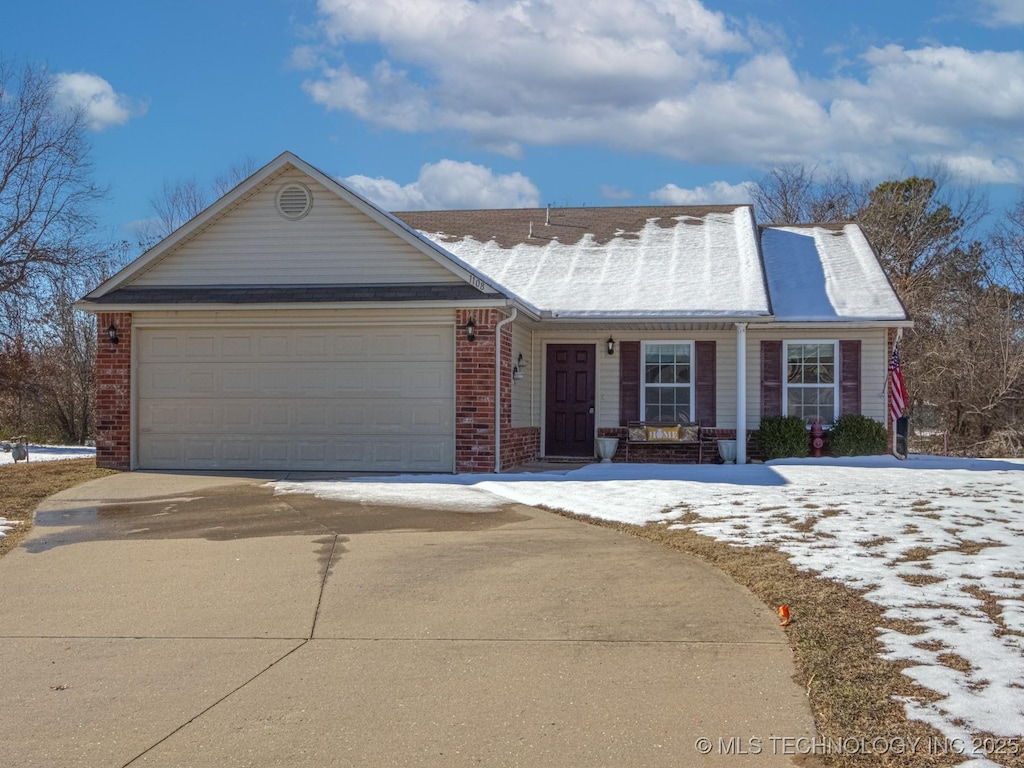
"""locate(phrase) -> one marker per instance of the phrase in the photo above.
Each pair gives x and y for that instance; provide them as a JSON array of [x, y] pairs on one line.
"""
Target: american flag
[[897, 389]]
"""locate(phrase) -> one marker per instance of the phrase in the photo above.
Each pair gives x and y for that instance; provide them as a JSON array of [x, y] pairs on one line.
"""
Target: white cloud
[[672, 78], [1000, 13], [449, 185], [611, 192], [102, 106], [715, 193]]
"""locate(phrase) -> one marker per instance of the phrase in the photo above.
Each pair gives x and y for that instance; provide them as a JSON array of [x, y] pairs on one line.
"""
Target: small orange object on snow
[[784, 615]]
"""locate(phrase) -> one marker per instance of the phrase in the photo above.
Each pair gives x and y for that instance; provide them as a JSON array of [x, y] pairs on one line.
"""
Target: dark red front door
[[569, 429]]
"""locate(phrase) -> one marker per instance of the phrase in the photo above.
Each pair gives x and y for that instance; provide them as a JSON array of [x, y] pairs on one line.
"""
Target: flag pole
[[888, 394]]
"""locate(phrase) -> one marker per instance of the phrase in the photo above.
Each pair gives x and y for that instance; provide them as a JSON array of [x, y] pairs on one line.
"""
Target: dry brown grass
[[851, 690], [25, 485]]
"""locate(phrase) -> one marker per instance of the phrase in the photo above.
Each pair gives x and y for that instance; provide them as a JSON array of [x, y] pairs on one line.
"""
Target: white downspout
[[497, 388], [741, 393]]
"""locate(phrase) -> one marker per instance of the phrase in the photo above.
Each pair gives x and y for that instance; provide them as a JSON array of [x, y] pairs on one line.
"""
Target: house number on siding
[[477, 283]]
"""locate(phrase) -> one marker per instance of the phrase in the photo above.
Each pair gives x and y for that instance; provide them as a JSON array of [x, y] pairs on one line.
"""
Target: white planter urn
[[727, 450], [606, 448]]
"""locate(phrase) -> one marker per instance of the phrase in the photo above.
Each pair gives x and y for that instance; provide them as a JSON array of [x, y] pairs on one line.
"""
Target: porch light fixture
[[112, 334], [517, 374], [471, 330], [520, 363], [610, 344]]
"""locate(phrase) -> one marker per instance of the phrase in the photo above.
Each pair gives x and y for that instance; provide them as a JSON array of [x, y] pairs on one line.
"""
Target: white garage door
[[350, 398]]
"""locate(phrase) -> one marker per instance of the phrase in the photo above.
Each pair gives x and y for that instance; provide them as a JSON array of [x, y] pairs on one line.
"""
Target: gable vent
[[294, 201]]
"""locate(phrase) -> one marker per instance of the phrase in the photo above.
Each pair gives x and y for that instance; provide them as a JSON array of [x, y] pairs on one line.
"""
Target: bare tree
[[174, 204], [180, 201], [46, 192], [796, 194], [234, 176], [1007, 248]]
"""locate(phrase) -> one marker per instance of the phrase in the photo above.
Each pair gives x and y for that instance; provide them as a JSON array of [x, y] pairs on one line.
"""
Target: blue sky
[[493, 103]]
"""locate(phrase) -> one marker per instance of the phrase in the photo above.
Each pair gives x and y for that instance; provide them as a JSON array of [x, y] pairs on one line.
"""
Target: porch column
[[741, 393]]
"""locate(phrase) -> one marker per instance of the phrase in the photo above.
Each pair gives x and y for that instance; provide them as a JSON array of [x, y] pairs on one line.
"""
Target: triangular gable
[[242, 239]]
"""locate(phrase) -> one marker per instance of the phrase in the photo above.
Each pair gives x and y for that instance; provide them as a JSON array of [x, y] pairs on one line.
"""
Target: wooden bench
[[664, 433]]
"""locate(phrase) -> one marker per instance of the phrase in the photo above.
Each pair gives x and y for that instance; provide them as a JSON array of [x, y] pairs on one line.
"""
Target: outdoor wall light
[[610, 344], [520, 363], [471, 330], [517, 373], [112, 334]]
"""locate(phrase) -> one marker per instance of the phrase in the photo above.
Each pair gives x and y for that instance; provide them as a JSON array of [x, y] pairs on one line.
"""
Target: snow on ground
[[51, 453], [935, 541], [6, 525], [42, 453]]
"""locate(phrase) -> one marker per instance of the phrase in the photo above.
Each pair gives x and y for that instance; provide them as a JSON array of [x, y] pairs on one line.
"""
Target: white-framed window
[[666, 381], [811, 380]]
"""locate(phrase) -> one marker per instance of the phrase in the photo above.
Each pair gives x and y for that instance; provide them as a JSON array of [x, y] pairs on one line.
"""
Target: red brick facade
[[474, 391], [113, 391], [519, 445], [474, 397]]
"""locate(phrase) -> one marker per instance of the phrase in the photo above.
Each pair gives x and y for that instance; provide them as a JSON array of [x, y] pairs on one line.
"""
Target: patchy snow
[[937, 542], [822, 274], [50, 453], [40, 453], [6, 525], [633, 275]]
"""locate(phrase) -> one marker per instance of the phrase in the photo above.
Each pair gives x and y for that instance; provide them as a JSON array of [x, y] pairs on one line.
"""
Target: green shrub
[[783, 437], [856, 435]]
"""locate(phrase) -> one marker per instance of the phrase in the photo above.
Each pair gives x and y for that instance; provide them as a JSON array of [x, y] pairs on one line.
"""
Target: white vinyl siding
[[342, 398], [522, 389], [333, 244]]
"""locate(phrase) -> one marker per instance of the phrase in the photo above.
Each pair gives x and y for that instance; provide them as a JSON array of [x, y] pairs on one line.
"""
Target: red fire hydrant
[[817, 439]]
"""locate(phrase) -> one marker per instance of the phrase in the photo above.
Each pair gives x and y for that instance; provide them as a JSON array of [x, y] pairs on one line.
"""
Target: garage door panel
[[238, 451], [273, 345], [200, 452], [199, 414], [237, 415], [236, 345], [159, 416], [332, 399], [201, 382], [162, 452]]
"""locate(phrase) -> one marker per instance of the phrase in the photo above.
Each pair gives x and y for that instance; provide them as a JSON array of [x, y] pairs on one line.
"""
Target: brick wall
[[519, 445], [113, 391], [474, 391]]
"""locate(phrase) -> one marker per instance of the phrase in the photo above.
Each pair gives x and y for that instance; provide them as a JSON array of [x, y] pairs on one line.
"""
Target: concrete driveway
[[182, 620]]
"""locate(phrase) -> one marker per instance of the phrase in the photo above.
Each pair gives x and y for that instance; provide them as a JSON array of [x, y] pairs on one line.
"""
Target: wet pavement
[[176, 620]]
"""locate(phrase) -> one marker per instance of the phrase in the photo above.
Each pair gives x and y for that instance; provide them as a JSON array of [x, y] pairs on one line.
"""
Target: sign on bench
[[659, 432], [656, 432]]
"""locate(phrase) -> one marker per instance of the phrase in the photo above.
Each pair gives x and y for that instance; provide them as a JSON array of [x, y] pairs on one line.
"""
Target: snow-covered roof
[[677, 262], [826, 273]]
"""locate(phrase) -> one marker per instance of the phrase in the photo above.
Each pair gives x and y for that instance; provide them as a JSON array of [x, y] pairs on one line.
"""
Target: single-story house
[[295, 325]]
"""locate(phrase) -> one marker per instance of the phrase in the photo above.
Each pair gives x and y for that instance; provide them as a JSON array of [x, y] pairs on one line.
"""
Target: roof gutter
[[497, 388]]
